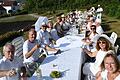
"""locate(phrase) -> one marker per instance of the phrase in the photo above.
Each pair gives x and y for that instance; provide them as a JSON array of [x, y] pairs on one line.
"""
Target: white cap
[[98, 5], [43, 23], [63, 15]]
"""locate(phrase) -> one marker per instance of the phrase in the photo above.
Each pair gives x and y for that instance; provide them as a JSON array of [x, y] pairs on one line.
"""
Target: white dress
[[93, 68], [104, 76]]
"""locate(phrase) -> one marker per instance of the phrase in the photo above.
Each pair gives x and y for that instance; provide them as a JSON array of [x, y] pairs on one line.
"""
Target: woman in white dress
[[110, 68], [103, 45]]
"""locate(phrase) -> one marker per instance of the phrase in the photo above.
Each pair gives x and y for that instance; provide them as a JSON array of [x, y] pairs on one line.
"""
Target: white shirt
[[6, 64], [43, 36], [94, 37], [27, 46], [99, 10], [99, 30], [104, 75], [93, 68]]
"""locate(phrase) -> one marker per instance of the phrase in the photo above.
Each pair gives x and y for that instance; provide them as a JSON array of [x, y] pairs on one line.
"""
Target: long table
[[69, 62]]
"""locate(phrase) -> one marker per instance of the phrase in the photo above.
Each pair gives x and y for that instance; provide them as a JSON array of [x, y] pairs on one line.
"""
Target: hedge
[[9, 36]]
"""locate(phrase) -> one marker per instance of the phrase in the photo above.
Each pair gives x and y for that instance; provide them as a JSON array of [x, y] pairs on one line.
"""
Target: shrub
[[9, 36]]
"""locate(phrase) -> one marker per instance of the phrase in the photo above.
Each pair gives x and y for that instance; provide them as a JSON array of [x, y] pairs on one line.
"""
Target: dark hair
[[108, 43], [117, 64], [32, 30]]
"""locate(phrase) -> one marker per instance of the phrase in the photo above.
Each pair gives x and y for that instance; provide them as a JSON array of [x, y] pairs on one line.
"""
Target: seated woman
[[103, 45], [110, 68], [52, 31]]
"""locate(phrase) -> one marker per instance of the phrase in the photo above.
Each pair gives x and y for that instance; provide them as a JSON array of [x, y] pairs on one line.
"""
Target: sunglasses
[[101, 42], [92, 28]]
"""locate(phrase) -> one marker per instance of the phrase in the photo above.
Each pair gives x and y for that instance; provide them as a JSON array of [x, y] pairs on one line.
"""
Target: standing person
[[9, 64], [110, 68], [99, 12], [103, 45]]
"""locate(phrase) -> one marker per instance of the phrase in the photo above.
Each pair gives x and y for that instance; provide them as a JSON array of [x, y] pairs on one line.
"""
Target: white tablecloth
[[68, 62]]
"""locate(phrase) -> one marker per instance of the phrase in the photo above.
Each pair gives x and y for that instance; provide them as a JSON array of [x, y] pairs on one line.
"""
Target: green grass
[[113, 24], [17, 18]]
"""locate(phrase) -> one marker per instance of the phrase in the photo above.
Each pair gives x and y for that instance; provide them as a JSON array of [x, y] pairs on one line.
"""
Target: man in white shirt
[[43, 36], [31, 48], [9, 64], [99, 12]]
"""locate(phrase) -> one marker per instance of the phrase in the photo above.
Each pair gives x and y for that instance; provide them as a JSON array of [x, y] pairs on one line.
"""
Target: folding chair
[[18, 43], [113, 37]]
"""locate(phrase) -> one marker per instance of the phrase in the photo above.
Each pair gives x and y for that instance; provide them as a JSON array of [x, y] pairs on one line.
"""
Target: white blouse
[[104, 75]]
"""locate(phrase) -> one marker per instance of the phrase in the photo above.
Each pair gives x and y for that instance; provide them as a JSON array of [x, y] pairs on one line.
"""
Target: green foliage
[[111, 7], [8, 36], [55, 74]]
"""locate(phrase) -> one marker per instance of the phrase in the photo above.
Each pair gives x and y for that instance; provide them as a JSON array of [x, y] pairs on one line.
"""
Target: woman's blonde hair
[[111, 54]]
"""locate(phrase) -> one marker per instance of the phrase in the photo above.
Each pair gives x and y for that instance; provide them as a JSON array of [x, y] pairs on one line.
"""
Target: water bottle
[[39, 74]]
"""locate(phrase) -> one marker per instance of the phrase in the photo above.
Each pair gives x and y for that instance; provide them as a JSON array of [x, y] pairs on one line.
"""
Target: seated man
[[31, 47], [9, 64], [43, 36]]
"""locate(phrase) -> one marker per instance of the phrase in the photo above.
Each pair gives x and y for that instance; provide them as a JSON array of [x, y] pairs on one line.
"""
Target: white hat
[[106, 37], [63, 16], [110, 52], [43, 23], [98, 5]]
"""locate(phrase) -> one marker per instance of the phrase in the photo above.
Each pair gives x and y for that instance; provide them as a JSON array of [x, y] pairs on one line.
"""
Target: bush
[[5, 15], [118, 12], [9, 36]]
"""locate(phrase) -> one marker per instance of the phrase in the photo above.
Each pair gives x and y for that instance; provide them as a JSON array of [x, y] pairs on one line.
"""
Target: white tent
[[39, 22]]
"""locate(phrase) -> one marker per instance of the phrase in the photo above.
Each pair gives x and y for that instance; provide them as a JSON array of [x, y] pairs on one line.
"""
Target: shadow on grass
[[14, 26], [105, 26], [111, 21], [118, 43]]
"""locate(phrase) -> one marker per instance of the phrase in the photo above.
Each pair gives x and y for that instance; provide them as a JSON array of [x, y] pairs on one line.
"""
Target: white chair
[[18, 43], [113, 37]]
